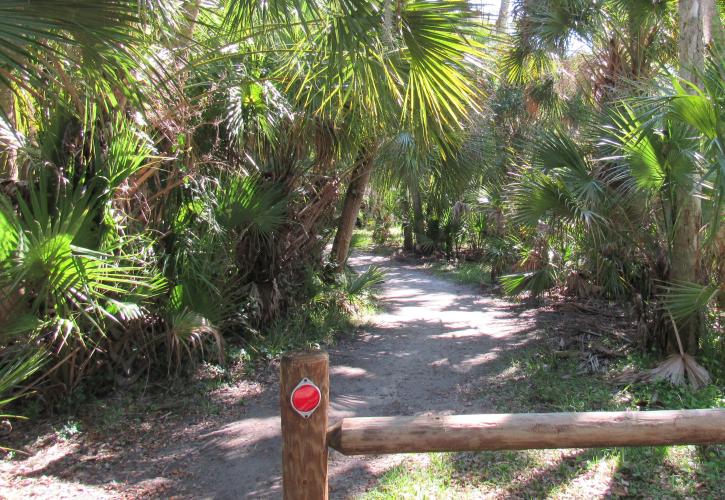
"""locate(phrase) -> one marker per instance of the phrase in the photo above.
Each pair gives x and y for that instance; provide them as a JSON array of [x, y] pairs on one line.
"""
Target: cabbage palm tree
[[629, 39], [172, 162], [699, 26], [370, 67], [638, 170], [63, 52]]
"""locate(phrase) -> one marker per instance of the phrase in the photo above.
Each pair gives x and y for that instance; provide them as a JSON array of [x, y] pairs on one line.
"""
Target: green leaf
[[637, 143], [685, 299], [8, 233], [695, 110], [535, 282]]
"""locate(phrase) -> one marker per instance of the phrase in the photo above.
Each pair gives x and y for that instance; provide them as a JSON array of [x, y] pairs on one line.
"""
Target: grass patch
[[363, 239], [415, 481], [539, 381], [311, 327], [395, 237], [468, 273]]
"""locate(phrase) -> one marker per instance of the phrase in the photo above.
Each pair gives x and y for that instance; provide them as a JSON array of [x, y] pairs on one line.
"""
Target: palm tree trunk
[[502, 21], [692, 40], [720, 256], [685, 254], [351, 206], [712, 24], [191, 13]]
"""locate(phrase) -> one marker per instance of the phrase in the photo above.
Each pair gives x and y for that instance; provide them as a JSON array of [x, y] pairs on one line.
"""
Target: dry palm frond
[[189, 332], [678, 367], [591, 364], [671, 370]]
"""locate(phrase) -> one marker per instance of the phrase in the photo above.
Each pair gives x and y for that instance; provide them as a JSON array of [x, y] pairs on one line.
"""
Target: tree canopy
[[172, 171]]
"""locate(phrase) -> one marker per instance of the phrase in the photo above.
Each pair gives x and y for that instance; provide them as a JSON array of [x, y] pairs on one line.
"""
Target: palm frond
[[522, 65], [247, 204], [63, 279], [637, 145], [557, 149], [241, 15], [188, 334], [697, 110], [38, 38], [128, 152], [358, 283], [534, 282], [684, 300], [438, 90], [16, 369]]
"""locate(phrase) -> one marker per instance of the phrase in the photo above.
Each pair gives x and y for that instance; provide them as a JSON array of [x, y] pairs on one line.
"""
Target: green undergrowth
[[333, 309], [366, 240], [468, 273], [336, 304], [552, 383], [538, 381], [362, 239], [320, 323]]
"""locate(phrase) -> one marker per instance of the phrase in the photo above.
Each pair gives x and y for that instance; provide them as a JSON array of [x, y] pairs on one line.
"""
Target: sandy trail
[[428, 352]]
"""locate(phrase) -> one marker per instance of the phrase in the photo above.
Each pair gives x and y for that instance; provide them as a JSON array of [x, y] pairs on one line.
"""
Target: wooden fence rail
[[524, 431], [306, 435]]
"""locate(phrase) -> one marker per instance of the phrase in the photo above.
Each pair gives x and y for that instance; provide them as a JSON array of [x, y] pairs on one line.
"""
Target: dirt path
[[433, 349], [425, 353]]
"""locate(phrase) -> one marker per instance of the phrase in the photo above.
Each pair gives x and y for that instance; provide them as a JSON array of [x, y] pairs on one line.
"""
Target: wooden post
[[304, 440], [523, 431]]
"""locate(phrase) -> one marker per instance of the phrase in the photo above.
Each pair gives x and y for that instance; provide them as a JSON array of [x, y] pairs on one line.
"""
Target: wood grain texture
[[304, 441], [376, 435]]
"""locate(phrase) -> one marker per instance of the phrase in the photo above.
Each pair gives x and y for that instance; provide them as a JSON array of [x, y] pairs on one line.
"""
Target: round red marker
[[305, 397]]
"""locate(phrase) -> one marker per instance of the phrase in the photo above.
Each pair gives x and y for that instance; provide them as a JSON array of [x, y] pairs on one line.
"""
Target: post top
[[305, 356]]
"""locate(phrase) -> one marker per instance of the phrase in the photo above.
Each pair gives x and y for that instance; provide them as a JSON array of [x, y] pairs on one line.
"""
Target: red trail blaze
[[305, 398]]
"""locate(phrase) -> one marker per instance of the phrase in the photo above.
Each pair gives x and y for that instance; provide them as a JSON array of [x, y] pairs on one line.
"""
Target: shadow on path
[[433, 342], [425, 350]]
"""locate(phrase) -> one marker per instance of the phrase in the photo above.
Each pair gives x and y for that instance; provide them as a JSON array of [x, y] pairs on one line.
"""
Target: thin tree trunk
[[191, 13], [502, 21], [712, 25], [351, 206], [692, 41], [685, 256], [720, 256], [8, 158], [407, 227], [418, 217], [388, 24]]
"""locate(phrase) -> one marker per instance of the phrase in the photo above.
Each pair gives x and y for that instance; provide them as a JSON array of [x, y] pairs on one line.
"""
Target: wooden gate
[[306, 436]]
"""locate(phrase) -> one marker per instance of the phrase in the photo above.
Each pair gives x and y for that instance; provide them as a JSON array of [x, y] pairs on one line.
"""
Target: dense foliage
[[172, 171], [595, 169]]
